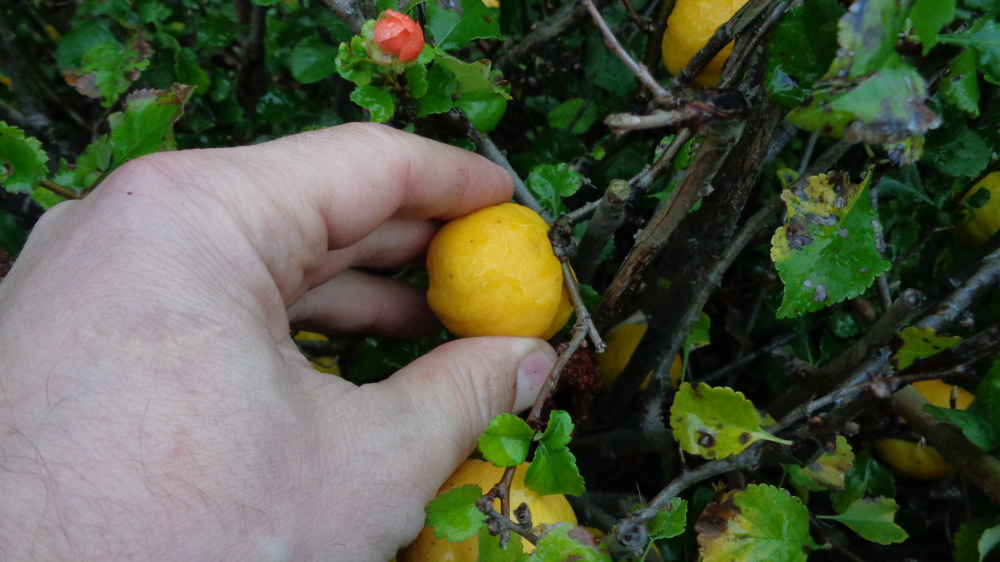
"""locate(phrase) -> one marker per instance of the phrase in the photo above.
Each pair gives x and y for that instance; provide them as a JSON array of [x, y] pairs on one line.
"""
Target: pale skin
[[152, 403]]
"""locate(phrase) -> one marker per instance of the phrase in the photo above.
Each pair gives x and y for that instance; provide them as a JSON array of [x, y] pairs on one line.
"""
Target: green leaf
[[715, 422], [887, 106], [867, 35], [800, 51], [670, 521], [977, 428], [490, 551], [987, 404], [506, 440], [108, 70], [454, 515], [376, 100], [984, 37], [988, 541], [416, 81], [188, 71], [312, 60], [550, 183], [872, 518], [825, 252], [606, 70], [468, 77], [23, 159], [905, 184], [962, 154], [577, 112], [928, 17], [867, 478], [699, 336], [959, 87], [484, 109], [767, 524], [967, 539], [565, 541], [843, 324], [146, 124], [826, 472], [911, 344], [83, 36], [440, 87], [452, 30], [46, 198], [553, 469]]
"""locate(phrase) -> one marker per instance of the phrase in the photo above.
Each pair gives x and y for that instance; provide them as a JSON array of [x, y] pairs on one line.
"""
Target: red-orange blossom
[[398, 34]]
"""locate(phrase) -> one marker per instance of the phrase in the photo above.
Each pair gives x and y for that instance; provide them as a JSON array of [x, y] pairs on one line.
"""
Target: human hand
[[153, 405]]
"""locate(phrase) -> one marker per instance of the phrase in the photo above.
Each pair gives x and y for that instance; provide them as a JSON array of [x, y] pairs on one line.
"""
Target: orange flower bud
[[398, 34]]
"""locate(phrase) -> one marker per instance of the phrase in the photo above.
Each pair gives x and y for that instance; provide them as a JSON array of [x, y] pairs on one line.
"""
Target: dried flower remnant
[[398, 34]]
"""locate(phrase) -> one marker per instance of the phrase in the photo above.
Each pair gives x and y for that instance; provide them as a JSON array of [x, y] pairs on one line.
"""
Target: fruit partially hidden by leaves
[[493, 273], [545, 510], [622, 342], [398, 34], [689, 27], [982, 223], [919, 460], [328, 365]]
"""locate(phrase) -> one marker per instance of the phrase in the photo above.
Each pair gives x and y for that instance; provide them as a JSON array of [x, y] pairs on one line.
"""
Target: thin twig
[[745, 460], [640, 71], [545, 33], [502, 524], [486, 147], [665, 161], [686, 115], [981, 467], [745, 360], [638, 20], [58, 189], [607, 220], [581, 213], [807, 153], [722, 36], [696, 184], [733, 70], [578, 335], [898, 315], [818, 529]]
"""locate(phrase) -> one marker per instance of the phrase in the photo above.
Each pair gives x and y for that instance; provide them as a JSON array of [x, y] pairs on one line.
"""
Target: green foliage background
[[87, 86]]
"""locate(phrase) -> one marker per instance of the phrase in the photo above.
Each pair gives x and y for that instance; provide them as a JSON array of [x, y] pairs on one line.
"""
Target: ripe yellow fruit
[[493, 273], [545, 510], [689, 27], [622, 343], [919, 460], [492, 3], [986, 222]]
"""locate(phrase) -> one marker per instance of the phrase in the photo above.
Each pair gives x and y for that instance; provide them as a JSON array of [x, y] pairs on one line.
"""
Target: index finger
[[295, 198]]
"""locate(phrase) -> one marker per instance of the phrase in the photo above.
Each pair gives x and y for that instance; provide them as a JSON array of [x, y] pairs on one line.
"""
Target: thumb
[[449, 396]]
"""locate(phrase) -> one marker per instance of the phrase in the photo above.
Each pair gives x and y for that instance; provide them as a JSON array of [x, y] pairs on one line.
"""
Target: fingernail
[[531, 375]]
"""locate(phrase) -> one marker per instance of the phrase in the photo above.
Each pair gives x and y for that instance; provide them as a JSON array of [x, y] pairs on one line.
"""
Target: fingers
[[353, 303], [448, 397]]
